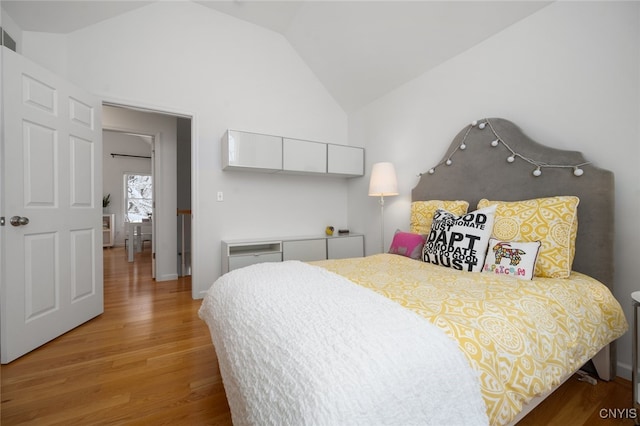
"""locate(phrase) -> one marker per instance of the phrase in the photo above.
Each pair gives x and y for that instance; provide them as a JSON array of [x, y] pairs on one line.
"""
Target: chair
[[131, 232], [146, 233]]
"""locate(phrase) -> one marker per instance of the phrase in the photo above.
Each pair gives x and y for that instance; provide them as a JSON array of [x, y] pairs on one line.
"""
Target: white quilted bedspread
[[299, 345]]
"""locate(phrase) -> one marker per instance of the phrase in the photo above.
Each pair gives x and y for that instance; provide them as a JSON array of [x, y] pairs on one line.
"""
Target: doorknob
[[17, 220]]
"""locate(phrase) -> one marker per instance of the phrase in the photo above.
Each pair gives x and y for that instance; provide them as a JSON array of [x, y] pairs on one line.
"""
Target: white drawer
[[236, 262]]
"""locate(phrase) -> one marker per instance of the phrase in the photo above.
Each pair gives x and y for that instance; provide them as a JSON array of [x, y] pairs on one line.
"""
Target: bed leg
[[585, 377], [604, 362]]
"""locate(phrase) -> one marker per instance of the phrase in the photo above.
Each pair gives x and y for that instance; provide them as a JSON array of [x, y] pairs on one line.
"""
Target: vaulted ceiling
[[360, 50]]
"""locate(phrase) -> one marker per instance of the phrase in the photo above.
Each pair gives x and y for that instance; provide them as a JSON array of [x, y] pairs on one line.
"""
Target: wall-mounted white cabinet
[[251, 151], [265, 153], [304, 156], [345, 160]]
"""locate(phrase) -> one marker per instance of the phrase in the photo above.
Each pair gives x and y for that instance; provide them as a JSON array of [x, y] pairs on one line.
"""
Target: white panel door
[[51, 278]]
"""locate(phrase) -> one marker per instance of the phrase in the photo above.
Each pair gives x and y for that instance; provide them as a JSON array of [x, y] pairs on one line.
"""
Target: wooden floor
[[148, 360]]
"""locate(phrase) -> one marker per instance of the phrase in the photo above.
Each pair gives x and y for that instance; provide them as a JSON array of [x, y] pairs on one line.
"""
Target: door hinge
[[2, 221]]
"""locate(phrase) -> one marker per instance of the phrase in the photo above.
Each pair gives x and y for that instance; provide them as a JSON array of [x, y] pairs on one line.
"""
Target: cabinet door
[[345, 247], [251, 151], [345, 160], [304, 156], [304, 250]]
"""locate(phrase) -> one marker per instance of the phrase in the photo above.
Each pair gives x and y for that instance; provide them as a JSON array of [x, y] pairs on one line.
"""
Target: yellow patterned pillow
[[422, 213], [552, 220]]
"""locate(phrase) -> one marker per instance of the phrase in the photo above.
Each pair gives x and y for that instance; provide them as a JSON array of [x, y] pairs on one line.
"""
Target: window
[[138, 198]]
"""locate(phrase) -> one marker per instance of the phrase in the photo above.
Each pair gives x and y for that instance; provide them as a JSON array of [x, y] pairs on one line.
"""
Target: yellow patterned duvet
[[522, 336]]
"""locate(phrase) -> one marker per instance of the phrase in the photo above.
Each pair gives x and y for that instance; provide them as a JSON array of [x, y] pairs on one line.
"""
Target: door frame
[[142, 107]]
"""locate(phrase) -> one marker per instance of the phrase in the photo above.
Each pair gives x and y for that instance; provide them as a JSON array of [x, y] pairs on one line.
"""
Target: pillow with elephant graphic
[[513, 258], [551, 220]]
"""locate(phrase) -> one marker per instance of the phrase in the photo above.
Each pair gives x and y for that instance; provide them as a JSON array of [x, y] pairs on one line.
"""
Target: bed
[[486, 303]]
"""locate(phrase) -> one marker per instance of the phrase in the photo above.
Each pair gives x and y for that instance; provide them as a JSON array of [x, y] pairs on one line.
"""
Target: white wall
[[186, 58], [567, 75], [114, 169]]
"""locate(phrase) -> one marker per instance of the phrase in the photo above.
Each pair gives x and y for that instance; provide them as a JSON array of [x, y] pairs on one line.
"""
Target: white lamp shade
[[383, 180]]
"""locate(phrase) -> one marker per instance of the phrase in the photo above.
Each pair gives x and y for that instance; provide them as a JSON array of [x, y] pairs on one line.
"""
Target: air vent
[[6, 40]]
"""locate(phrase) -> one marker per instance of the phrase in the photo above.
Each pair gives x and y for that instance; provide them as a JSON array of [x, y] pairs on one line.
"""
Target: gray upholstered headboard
[[481, 170]]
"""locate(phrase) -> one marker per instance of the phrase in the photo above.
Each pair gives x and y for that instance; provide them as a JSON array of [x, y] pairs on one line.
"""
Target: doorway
[[127, 181], [171, 168]]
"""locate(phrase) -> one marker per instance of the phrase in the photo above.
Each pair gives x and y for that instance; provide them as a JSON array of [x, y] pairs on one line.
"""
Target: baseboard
[[167, 277], [624, 370]]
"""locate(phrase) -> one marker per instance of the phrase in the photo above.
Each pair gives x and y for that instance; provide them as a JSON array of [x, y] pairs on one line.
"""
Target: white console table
[[108, 230], [239, 253]]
